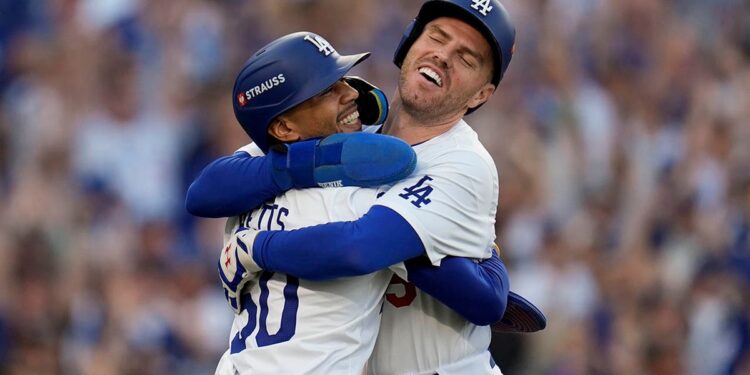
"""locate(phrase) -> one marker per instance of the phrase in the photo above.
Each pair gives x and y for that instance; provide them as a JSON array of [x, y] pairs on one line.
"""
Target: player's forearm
[[232, 185], [328, 251], [477, 291]]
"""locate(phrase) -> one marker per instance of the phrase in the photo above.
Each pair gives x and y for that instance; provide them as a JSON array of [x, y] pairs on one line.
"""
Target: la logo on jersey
[[483, 6], [419, 192], [322, 44]]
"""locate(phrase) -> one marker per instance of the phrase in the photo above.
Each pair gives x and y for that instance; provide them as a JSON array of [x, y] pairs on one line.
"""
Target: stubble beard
[[426, 109]]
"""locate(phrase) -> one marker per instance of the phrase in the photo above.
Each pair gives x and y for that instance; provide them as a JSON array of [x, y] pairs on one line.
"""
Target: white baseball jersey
[[295, 326], [450, 201]]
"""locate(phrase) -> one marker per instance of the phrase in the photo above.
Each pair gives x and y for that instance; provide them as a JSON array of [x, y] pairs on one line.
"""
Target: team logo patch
[[323, 46], [483, 6], [419, 192]]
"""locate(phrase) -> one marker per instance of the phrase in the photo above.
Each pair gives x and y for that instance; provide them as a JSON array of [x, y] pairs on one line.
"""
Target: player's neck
[[413, 129]]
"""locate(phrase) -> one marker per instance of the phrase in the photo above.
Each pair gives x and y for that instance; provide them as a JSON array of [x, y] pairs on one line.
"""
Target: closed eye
[[326, 91], [466, 62], [330, 88], [439, 41]]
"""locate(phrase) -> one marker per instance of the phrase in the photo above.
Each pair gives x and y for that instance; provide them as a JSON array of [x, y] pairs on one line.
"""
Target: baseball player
[[451, 58], [291, 325]]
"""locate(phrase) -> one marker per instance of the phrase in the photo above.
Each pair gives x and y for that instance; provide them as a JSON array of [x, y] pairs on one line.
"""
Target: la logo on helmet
[[322, 44], [483, 6]]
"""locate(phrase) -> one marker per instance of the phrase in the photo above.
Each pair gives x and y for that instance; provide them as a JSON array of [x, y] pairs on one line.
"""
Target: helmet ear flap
[[406, 41], [371, 103]]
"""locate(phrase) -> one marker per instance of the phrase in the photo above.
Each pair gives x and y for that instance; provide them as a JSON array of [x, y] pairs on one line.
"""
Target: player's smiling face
[[447, 69], [332, 111]]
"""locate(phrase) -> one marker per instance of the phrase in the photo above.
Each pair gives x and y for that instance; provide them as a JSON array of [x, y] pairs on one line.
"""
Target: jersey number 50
[[288, 320]]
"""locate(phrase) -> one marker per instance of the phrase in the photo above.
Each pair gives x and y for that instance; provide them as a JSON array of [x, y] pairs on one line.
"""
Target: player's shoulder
[[460, 138], [458, 148], [252, 149]]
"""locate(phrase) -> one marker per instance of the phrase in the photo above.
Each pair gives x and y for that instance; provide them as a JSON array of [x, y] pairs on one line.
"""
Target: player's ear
[[280, 129], [482, 95]]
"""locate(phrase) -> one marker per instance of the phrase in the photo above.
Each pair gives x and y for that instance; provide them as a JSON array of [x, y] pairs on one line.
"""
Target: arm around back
[[477, 291], [232, 185], [236, 184], [377, 240]]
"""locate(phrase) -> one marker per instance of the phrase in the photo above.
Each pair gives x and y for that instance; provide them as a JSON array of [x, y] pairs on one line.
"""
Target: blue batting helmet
[[487, 16], [283, 74]]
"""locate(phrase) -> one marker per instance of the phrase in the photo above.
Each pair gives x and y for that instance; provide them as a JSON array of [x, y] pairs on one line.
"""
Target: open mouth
[[350, 119], [431, 75]]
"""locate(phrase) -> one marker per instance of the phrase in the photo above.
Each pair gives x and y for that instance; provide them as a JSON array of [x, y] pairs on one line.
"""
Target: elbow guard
[[343, 159]]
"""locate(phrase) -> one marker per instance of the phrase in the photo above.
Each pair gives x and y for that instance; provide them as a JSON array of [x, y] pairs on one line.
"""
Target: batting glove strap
[[236, 265]]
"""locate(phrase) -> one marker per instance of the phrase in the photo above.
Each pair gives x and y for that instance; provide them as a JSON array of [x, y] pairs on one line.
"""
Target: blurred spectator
[[125, 148]]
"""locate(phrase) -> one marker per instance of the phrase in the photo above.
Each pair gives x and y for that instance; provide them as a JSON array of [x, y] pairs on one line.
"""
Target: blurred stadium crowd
[[621, 134]]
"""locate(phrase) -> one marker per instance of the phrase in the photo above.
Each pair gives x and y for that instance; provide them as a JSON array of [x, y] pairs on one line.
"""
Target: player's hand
[[236, 265]]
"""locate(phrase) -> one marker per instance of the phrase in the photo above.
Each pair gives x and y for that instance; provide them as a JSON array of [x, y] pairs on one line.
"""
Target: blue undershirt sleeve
[[377, 240], [231, 186], [477, 291]]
